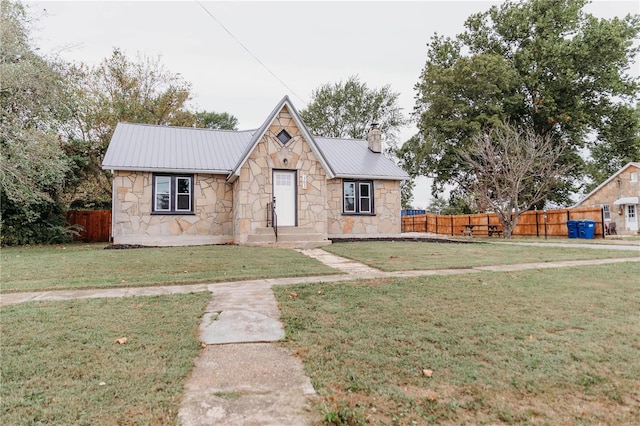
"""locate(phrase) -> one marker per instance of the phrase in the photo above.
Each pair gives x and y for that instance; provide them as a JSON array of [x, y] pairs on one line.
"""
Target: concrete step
[[288, 237]]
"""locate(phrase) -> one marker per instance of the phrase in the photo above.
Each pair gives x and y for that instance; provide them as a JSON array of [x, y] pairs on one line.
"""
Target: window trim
[[358, 198], [633, 178], [173, 194], [606, 211]]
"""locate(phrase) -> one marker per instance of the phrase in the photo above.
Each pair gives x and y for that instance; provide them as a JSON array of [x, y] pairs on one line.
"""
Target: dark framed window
[[284, 137], [172, 194], [357, 197]]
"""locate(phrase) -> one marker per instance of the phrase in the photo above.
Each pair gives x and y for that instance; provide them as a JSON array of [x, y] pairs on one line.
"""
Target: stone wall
[[253, 188], [612, 191], [135, 224], [385, 223]]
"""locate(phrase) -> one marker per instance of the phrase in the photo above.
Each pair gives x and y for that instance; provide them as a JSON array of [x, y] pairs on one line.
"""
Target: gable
[[283, 116], [628, 166]]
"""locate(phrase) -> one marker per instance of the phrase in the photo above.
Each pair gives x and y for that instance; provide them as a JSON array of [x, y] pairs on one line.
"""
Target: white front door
[[284, 190], [631, 217]]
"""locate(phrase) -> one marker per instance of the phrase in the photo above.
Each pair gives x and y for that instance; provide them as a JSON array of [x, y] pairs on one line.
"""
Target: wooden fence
[[530, 223], [94, 225]]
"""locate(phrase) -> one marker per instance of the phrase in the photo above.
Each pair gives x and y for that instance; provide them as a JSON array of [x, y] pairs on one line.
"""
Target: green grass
[[61, 365], [402, 256], [537, 347], [77, 266]]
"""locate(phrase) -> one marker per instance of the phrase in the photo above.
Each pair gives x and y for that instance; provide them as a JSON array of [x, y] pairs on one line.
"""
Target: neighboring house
[[618, 196], [188, 186]]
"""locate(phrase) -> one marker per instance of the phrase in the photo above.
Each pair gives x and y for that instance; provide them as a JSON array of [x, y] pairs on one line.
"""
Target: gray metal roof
[[352, 158], [144, 147], [174, 149]]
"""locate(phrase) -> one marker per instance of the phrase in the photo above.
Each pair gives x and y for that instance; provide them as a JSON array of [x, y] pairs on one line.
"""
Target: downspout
[[113, 204]]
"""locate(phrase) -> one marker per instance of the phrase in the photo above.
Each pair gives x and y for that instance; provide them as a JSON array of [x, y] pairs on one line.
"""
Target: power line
[[250, 53]]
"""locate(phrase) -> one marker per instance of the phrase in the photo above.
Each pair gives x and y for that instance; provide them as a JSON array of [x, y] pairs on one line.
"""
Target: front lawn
[[77, 266], [402, 256], [61, 364], [544, 346]]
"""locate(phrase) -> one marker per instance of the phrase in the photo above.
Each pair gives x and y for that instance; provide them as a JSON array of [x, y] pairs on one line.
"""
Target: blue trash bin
[[572, 227], [588, 229]]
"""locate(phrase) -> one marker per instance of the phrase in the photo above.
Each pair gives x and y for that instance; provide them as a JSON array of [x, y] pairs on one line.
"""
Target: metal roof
[[174, 149], [351, 158], [144, 147]]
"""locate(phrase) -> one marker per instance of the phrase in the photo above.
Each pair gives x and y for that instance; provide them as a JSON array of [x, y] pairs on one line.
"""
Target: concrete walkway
[[240, 378]]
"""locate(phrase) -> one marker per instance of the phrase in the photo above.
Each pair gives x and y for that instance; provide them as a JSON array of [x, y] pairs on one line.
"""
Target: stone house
[[618, 196], [277, 185]]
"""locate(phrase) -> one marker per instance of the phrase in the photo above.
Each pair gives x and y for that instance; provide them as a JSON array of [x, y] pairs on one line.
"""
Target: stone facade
[[385, 223], [619, 186], [253, 188], [134, 223]]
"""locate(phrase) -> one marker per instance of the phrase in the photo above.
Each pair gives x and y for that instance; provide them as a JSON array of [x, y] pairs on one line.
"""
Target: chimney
[[375, 138]]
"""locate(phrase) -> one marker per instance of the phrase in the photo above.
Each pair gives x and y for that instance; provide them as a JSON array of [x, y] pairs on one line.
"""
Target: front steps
[[288, 237]]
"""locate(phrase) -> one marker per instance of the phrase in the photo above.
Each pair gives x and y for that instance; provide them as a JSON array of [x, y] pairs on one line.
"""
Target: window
[[284, 137], [631, 212], [358, 197], [634, 176], [606, 211], [172, 194]]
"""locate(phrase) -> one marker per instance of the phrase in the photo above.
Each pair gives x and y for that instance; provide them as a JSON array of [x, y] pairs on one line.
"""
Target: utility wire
[[250, 53]]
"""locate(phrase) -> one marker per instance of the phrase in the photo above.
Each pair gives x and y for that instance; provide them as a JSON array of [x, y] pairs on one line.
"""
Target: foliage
[[347, 109], [546, 65], [458, 203], [512, 169], [121, 90], [406, 193], [34, 166], [216, 120]]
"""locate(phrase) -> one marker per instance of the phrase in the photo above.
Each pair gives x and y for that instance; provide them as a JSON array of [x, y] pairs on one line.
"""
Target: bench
[[491, 230]]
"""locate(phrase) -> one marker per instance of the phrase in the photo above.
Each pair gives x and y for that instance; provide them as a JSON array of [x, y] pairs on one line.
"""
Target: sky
[[242, 57]]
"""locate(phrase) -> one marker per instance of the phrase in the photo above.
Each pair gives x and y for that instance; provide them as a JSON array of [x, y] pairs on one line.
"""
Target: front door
[[284, 190], [631, 217]]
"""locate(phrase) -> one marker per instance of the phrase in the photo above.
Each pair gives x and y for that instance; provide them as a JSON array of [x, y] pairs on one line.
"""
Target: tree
[[542, 64], [120, 90], [34, 166], [216, 120], [512, 169], [347, 109]]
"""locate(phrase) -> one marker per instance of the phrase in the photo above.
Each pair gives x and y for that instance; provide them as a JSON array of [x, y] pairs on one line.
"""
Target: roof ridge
[[166, 126]]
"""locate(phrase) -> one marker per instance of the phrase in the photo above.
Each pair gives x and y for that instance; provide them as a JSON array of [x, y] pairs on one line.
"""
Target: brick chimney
[[375, 138]]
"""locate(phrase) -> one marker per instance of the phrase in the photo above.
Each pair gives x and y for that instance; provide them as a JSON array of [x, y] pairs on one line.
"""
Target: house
[[618, 196], [278, 184]]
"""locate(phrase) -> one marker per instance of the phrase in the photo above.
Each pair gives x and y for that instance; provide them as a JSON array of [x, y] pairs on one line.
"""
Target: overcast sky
[[305, 44]]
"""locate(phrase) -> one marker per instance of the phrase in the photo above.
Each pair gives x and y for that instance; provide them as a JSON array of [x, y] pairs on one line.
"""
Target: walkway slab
[[246, 384], [241, 314]]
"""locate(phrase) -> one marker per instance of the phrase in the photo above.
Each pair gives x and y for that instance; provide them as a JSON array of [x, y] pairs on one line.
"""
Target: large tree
[[120, 90], [34, 166], [543, 64], [346, 110]]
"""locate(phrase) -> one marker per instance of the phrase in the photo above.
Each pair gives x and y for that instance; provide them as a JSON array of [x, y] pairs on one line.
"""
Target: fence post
[[437, 224], [537, 230], [426, 222], [413, 223], [602, 221], [451, 226]]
